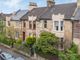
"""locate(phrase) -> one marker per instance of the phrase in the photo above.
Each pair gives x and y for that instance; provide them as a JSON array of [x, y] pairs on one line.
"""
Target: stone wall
[[40, 26], [67, 33]]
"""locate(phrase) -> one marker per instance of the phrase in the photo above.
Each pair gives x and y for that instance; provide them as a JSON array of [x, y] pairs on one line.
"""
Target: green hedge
[[6, 40]]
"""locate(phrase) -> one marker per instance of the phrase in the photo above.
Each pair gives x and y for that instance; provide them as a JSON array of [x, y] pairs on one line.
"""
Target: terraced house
[[60, 19], [15, 23], [54, 18], [75, 22]]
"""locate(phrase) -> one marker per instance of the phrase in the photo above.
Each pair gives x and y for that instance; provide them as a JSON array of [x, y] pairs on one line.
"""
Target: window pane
[[61, 43], [45, 24], [34, 24], [17, 34], [56, 25], [30, 25], [61, 25], [24, 24]]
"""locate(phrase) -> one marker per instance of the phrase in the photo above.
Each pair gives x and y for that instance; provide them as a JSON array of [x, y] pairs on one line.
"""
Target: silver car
[[19, 58], [6, 56]]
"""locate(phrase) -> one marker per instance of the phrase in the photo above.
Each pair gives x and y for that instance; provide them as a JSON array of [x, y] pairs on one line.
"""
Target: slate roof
[[35, 12], [18, 15], [8, 15], [46, 12], [77, 14], [64, 9]]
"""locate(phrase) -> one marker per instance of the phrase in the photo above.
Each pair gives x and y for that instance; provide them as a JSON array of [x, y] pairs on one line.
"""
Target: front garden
[[46, 46]]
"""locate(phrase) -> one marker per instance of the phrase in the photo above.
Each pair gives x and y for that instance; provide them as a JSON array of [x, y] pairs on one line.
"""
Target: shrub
[[47, 44], [30, 41], [5, 40], [19, 41], [69, 54]]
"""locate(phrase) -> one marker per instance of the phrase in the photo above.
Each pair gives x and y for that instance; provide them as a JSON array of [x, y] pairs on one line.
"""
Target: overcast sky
[[8, 6]]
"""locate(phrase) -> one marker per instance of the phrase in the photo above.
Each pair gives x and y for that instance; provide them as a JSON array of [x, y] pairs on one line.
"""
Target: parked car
[[19, 58], [6, 56]]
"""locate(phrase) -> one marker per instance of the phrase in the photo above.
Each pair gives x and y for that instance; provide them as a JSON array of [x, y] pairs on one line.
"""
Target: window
[[17, 34], [30, 34], [30, 25], [61, 26], [8, 23], [56, 25], [45, 24], [34, 24], [24, 24], [61, 43]]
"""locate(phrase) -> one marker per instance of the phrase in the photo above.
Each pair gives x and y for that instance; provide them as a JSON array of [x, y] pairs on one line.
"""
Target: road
[[15, 54]]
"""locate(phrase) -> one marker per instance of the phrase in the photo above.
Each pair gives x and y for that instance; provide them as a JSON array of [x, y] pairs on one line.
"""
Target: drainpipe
[[72, 29]]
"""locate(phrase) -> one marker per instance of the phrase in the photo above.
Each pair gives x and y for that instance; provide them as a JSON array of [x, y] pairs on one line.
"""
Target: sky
[[9, 6]]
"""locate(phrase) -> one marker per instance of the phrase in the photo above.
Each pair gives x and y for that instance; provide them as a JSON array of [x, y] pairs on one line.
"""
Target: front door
[[23, 36]]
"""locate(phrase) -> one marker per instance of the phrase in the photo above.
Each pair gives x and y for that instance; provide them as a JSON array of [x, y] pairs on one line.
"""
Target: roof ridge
[[67, 3]]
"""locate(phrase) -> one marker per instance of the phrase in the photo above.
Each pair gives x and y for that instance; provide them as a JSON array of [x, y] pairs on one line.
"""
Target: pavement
[[15, 54]]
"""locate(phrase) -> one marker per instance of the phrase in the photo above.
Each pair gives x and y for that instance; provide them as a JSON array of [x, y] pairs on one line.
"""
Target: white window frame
[[56, 25], [59, 26]]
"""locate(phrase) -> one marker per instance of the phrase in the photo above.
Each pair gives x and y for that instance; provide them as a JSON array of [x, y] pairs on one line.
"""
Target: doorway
[[23, 36]]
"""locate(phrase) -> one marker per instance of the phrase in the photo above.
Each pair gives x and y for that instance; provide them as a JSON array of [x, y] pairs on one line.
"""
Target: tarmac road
[[15, 54]]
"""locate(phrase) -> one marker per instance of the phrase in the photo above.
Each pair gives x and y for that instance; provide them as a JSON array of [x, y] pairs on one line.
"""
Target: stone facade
[[13, 25], [78, 2], [76, 34], [17, 28], [58, 18], [68, 33], [76, 29], [39, 26]]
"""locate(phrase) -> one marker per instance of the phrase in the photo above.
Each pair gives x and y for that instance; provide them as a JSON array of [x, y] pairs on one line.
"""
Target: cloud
[[13, 3]]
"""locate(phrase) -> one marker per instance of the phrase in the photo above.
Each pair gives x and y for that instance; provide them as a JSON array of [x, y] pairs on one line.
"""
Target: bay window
[[56, 25]]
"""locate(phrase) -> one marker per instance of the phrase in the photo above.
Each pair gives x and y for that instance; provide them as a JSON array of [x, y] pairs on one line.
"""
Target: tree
[[30, 43], [2, 26], [69, 54], [10, 31], [47, 44]]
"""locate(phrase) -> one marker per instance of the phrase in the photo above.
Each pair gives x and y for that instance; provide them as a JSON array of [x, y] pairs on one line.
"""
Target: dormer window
[[45, 24]]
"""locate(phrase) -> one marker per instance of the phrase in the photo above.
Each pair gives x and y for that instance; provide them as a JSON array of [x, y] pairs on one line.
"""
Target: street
[[15, 54]]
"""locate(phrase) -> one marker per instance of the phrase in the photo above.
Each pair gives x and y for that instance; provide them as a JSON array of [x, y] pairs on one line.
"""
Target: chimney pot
[[32, 5], [50, 3]]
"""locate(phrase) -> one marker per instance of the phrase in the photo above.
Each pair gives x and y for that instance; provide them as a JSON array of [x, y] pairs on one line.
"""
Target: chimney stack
[[50, 3], [78, 3], [32, 5]]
